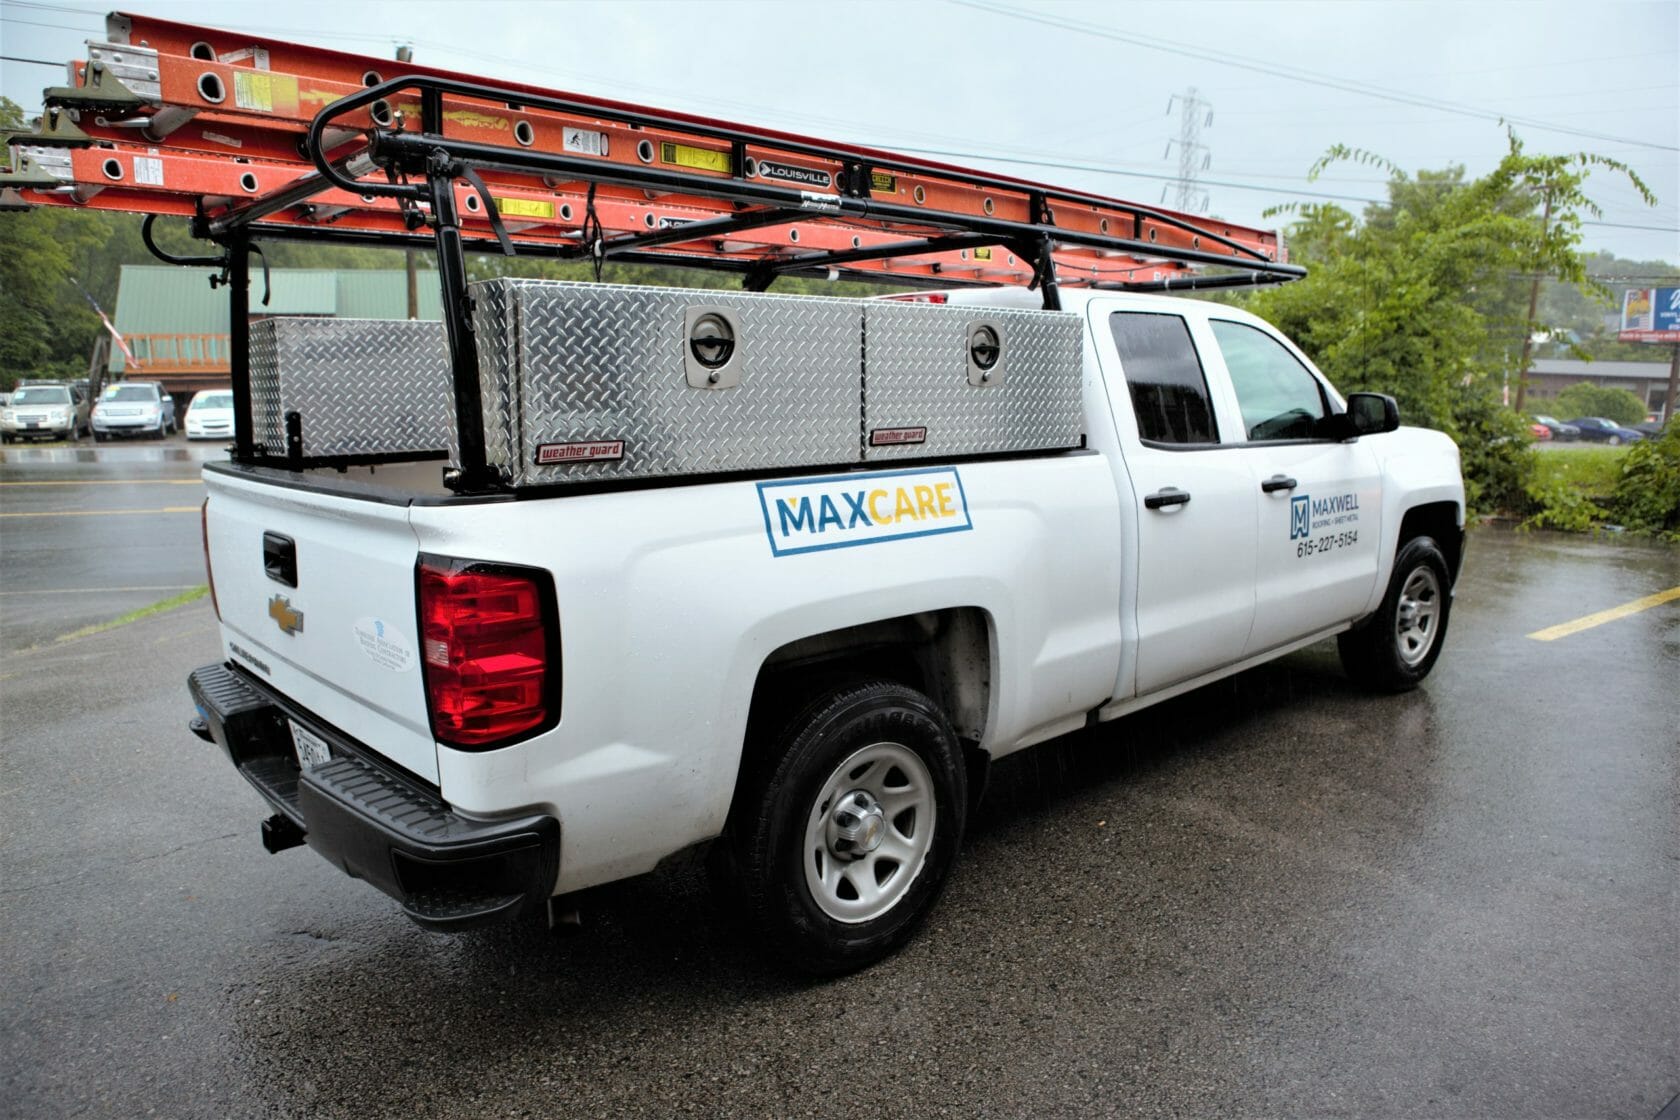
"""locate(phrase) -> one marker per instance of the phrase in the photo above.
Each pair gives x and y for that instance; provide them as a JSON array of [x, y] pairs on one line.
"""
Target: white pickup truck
[[481, 703]]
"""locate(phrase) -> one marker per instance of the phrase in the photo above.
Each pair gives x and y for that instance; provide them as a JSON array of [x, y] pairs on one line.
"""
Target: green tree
[[45, 325], [1586, 399], [1416, 297]]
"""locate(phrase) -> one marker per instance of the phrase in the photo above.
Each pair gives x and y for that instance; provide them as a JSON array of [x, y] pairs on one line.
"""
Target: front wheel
[[1397, 646], [843, 845]]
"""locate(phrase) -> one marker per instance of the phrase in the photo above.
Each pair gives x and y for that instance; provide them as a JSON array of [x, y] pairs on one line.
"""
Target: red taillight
[[484, 637], [204, 536], [920, 297]]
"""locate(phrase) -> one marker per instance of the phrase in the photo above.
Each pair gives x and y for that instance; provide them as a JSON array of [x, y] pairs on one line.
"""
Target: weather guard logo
[[842, 511]]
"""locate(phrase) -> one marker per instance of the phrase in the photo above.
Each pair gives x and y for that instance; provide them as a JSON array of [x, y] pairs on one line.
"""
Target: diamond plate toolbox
[[944, 380], [361, 386], [593, 381]]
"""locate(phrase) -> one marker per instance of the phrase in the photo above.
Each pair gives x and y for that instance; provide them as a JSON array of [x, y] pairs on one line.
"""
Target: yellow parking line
[[101, 512], [111, 482], [1564, 629]]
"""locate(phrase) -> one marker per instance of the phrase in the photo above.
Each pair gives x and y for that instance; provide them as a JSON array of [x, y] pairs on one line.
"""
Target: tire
[[1395, 648], [75, 433], [842, 843], [1614, 441], [101, 437]]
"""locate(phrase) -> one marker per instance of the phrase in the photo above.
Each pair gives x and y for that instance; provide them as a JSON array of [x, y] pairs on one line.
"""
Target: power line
[[32, 23], [1291, 192], [31, 61], [1290, 73]]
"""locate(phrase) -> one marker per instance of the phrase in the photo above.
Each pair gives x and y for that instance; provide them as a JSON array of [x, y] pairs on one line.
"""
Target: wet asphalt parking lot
[[1273, 897]]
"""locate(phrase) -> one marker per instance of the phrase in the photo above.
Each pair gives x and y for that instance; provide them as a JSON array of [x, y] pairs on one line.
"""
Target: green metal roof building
[[177, 324]]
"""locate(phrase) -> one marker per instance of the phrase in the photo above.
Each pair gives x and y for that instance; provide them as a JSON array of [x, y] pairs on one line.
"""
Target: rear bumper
[[373, 821]]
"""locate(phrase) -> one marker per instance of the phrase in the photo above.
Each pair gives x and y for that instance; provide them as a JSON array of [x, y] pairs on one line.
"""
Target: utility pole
[[1193, 115], [406, 54], [1533, 306], [1673, 385]]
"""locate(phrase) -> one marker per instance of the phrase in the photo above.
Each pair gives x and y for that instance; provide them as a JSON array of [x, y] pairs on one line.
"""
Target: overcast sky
[[1078, 91]]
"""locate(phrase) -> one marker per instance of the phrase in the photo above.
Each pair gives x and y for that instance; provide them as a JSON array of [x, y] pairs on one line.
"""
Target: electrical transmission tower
[[1194, 114]]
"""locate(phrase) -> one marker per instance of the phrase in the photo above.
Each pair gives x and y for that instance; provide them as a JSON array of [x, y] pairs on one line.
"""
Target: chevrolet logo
[[280, 610]]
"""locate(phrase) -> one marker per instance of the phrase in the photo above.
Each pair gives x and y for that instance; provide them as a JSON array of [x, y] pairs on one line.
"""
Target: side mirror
[[1368, 414]]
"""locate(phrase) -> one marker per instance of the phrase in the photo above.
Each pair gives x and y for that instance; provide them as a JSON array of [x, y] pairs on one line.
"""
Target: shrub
[[1586, 399], [1555, 504], [1647, 496], [1493, 447]]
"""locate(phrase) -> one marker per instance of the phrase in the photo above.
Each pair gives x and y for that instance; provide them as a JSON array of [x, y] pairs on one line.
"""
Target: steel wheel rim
[[861, 854], [1417, 616]]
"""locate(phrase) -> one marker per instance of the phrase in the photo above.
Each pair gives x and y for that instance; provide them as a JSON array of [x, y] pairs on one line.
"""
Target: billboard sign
[[1650, 315]]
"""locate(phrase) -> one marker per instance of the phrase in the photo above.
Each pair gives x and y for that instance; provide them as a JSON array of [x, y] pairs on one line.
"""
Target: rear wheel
[[1397, 646], [843, 843]]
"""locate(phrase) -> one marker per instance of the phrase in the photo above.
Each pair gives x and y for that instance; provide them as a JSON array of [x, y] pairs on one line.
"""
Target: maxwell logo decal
[[814, 514], [1299, 526], [1307, 513]]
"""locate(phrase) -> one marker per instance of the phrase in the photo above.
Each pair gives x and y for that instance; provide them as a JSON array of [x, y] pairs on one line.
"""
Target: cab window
[[1279, 398], [1164, 373]]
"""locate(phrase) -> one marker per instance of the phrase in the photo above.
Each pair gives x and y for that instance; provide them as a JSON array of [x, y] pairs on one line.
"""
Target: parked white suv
[[44, 412]]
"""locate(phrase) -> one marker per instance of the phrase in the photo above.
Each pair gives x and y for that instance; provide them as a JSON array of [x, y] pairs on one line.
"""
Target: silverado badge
[[280, 610]]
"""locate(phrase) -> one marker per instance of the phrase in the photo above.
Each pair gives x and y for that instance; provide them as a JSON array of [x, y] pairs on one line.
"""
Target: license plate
[[312, 750]]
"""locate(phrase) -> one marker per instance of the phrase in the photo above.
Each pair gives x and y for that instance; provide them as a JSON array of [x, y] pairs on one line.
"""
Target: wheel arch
[[948, 654], [1443, 522]]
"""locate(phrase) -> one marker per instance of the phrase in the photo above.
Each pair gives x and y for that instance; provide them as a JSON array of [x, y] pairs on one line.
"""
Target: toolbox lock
[[985, 354], [712, 356]]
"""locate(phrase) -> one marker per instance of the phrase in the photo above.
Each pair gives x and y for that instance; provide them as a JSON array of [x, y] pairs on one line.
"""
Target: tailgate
[[316, 594]]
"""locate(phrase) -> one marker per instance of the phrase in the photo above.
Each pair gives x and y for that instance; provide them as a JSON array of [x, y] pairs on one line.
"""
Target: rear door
[[1319, 500], [317, 601], [1195, 500]]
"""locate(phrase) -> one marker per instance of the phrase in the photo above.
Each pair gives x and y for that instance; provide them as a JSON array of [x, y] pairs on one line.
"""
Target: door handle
[[1278, 482], [1165, 497]]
